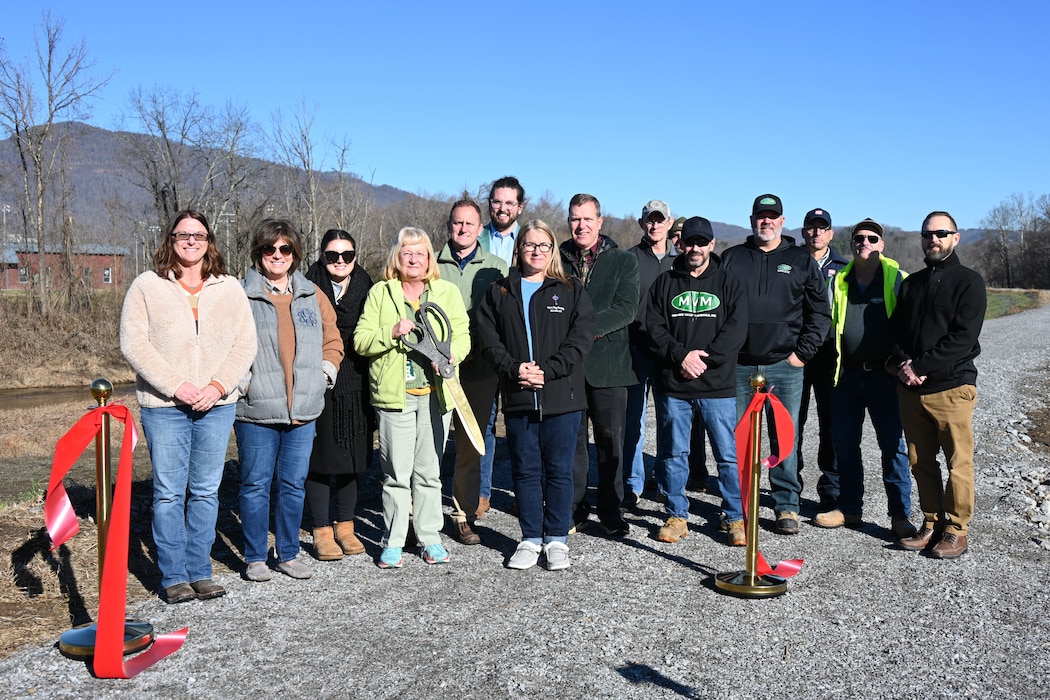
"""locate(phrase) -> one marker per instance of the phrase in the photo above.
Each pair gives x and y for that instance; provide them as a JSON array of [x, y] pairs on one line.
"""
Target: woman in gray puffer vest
[[299, 351]]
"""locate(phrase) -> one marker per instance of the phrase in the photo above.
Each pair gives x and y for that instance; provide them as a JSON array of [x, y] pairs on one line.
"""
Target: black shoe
[[630, 501], [616, 528]]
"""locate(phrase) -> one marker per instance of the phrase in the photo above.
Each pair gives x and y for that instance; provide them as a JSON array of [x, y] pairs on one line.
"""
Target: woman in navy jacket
[[536, 325]]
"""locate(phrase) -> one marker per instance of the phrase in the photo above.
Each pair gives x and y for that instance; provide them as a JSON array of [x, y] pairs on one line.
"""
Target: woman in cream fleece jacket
[[188, 332]]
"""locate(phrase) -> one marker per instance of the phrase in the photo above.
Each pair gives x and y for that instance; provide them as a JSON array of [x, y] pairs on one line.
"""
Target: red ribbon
[[61, 523], [785, 432]]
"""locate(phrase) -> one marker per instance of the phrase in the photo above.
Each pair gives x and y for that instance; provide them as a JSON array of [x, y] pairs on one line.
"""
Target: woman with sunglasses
[[536, 326], [413, 406], [299, 353], [343, 444], [188, 332]]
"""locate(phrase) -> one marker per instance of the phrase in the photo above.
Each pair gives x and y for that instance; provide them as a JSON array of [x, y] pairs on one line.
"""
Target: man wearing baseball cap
[[696, 321], [819, 372], [788, 320], [864, 295], [654, 256]]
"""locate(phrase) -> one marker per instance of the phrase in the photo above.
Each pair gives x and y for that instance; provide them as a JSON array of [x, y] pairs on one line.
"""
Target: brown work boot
[[786, 523], [465, 534], [325, 548], [919, 541], [830, 519], [951, 546], [344, 535], [673, 530], [483, 507], [737, 537]]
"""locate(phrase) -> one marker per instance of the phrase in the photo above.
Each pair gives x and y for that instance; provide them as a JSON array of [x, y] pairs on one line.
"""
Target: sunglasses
[[286, 250], [939, 234], [332, 256], [861, 238]]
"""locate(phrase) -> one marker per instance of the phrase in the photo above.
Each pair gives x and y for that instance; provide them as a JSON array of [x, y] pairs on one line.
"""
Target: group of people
[[569, 340]]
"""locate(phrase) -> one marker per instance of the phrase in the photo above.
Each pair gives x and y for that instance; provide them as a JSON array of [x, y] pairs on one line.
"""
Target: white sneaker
[[557, 554], [525, 556]]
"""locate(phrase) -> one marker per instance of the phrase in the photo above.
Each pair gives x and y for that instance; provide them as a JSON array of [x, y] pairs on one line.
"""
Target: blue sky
[[887, 110]]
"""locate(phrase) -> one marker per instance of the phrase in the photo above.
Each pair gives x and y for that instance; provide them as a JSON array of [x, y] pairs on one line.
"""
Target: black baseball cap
[[816, 215], [767, 202], [697, 227]]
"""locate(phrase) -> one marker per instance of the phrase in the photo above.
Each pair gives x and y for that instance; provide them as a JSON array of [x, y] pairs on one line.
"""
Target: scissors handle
[[437, 351]]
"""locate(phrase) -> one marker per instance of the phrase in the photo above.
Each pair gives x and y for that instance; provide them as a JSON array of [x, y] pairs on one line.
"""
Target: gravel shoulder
[[641, 619]]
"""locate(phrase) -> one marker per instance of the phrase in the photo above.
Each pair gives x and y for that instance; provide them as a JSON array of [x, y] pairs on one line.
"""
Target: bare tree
[[190, 155], [55, 85], [293, 146]]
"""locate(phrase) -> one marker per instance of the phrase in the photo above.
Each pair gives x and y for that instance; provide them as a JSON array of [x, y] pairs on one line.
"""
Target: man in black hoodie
[[696, 323], [788, 320], [934, 339]]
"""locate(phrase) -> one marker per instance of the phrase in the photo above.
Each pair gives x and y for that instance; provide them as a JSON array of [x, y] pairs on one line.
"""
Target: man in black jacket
[[819, 374], [788, 320], [696, 323], [654, 254], [934, 335]]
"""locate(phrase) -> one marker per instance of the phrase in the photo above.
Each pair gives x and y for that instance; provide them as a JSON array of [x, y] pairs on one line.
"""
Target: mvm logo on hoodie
[[696, 302]]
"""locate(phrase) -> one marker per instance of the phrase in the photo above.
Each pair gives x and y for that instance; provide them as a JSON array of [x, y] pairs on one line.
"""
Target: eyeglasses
[[861, 238], [413, 253], [286, 250], [542, 247], [186, 235], [332, 256], [943, 233], [496, 204], [814, 230]]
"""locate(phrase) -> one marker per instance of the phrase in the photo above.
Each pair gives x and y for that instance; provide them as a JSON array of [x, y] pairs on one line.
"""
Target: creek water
[[21, 399]]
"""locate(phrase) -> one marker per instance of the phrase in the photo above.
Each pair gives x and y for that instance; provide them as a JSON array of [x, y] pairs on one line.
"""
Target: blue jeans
[[875, 391], [490, 453], [786, 382], [267, 451], [541, 458], [634, 428], [188, 451], [676, 429]]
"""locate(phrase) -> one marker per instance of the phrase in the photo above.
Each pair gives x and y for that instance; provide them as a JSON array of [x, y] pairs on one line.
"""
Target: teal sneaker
[[390, 558], [435, 554]]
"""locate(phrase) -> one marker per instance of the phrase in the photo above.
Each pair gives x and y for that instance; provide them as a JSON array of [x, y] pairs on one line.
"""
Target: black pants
[[607, 410]]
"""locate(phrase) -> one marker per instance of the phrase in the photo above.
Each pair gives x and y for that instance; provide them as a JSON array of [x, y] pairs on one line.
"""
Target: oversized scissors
[[439, 351]]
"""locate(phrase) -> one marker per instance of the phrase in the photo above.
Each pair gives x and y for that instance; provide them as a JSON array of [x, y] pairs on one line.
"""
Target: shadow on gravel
[[642, 674]]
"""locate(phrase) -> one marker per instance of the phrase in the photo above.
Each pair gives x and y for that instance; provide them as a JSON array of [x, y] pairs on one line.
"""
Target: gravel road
[[641, 619]]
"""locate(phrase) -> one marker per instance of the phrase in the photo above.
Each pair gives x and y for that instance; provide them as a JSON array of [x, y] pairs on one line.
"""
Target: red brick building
[[95, 266]]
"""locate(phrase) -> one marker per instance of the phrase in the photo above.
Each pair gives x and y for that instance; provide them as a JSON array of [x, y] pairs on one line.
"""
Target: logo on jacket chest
[[307, 317], [554, 307], [695, 302]]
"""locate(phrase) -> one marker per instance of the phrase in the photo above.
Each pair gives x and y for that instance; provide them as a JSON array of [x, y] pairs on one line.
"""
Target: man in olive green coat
[[610, 275]]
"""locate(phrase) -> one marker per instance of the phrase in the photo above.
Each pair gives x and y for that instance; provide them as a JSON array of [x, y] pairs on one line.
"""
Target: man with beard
[[610, 276], [506, 202], [819, 374], [788, 320], [654, 256], [696, 318], [865, 294], [472, 270], [934, 334]]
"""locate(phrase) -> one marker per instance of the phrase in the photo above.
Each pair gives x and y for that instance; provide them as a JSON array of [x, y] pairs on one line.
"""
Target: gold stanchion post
[[79, 642], [747, 583]]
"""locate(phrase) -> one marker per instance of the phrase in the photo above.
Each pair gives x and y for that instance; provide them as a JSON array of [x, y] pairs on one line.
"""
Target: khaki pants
[[934, 422]]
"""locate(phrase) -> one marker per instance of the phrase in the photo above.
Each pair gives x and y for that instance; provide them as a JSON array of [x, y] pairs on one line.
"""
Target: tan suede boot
[[344, 535], [325, 548]]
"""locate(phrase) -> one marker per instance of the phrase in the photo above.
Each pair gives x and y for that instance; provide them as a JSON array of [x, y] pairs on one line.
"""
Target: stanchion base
[[79, 642], [745, 585]]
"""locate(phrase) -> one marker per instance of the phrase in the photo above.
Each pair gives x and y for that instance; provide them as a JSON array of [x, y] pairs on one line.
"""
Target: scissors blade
[[466, 415]]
